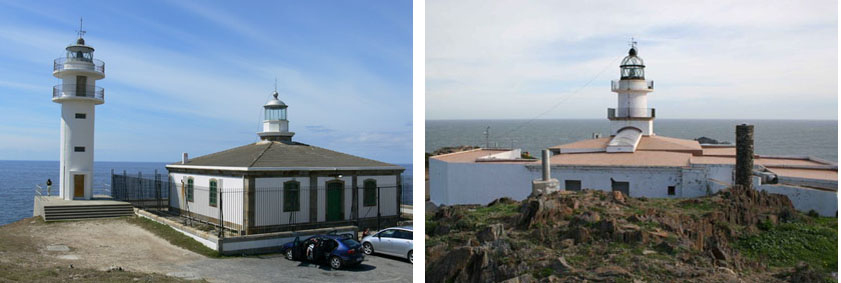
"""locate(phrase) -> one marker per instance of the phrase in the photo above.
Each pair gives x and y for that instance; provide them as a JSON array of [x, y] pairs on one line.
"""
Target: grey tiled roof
[[282, 154]]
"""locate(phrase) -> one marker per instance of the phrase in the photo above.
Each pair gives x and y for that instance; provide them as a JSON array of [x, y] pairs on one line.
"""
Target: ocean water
[[18, 180], [771, 137]]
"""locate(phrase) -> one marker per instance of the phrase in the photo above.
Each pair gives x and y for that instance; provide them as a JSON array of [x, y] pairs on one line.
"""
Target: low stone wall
[[271, 242], [249, 244]]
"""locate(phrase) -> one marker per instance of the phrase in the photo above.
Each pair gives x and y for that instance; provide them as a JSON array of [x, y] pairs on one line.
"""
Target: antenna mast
[[80, 32]]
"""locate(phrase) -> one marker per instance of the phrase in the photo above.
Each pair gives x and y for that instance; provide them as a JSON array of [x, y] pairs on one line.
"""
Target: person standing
[[49, 186]]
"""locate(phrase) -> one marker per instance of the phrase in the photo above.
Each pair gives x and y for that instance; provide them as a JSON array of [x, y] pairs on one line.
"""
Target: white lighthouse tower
[[631, 119], [77, 94], [275, 124]]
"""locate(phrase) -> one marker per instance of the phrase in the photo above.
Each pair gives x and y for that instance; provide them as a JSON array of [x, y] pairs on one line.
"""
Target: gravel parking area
[[106, 243], [276, 268]]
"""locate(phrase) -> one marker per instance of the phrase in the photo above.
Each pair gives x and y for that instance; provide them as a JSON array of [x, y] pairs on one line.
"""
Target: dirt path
[[99, 244]]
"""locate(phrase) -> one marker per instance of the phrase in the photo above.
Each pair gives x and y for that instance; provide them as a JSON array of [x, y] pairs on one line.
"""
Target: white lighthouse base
[[645, 126]]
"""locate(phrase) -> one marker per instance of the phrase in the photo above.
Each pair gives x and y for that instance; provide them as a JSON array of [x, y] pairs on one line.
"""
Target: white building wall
[[269, 201], [481, 183], [438, 178], [231, 187], [388, 196], [823, 202], [644, 182]]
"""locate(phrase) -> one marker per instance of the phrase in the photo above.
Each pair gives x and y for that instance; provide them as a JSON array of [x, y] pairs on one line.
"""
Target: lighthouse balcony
[[630, 113], [87, 66], [66, 92], [632, 85]]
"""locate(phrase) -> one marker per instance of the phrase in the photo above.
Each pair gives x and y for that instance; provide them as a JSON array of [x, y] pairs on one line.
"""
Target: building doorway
[[78, 186], [334, 201]]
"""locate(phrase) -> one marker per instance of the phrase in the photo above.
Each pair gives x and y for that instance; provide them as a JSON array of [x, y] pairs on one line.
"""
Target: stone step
[[88, 216], [92, 209]]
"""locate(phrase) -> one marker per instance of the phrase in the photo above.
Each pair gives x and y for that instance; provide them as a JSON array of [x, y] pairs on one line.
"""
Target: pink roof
[[822, 174], [661, 143], [638, 158], [468, 156]]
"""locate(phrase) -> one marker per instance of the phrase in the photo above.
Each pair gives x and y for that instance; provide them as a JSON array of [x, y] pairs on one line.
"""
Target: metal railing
[[70, 90], [64, 63], [625, 112], [617, 85]]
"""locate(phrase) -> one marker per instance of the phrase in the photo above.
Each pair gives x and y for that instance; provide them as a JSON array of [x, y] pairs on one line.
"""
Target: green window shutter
[[291, 196], [369, 193], [213, 193], [190, 190]]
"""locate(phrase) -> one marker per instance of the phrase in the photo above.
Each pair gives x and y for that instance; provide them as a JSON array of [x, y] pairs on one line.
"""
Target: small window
[[81, 115], [671, 190], [190, 189], [79, 149], [291, 196], [369, 193], [213, 192], [572, 185]]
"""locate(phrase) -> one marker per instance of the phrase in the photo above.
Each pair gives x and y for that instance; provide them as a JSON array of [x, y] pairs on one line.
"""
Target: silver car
[[396, 241]]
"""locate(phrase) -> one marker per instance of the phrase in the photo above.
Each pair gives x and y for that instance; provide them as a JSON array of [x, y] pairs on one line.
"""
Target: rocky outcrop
[[536, 243]]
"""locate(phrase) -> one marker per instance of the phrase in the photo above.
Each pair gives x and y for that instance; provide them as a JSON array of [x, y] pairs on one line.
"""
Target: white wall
[[231, 187], [76, 132], [388, 196], [804, 199], [269, 201], [478, 183], [648, 182]]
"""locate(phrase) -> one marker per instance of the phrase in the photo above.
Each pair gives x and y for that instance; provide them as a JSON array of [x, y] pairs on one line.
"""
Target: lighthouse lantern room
[[275, 124], [632, 110], [77, 94]]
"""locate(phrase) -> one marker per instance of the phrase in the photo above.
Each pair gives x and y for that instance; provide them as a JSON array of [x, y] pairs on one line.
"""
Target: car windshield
[[351, 243]]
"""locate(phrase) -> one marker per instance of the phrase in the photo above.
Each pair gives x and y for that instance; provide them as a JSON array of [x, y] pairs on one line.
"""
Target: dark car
[[337, 250]]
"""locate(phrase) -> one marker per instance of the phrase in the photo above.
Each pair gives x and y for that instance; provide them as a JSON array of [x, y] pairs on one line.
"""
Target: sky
[[192, 76], [555, 59]]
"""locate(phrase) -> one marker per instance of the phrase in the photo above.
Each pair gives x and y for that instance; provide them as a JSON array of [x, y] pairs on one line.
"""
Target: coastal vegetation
[[173, 237], [738, 234]]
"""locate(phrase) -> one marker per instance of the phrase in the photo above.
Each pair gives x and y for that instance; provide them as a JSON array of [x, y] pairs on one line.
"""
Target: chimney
[[184, 158], [545, 159], [744, 155]]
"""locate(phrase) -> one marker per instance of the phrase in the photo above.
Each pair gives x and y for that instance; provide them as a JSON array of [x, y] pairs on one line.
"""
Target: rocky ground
[[737, 235]]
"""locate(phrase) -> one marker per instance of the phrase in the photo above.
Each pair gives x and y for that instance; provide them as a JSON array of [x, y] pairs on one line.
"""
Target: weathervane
[[81, 32], [633, 43], [275, 83]]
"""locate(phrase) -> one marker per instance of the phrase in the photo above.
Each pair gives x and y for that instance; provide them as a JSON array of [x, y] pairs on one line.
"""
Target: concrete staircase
[[82, 211]]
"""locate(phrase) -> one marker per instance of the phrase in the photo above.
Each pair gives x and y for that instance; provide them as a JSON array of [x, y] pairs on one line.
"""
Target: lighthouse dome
[[274, 102], [632, 66]]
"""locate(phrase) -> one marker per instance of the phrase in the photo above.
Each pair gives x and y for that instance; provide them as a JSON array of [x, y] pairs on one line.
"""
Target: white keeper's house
[[278, 184]]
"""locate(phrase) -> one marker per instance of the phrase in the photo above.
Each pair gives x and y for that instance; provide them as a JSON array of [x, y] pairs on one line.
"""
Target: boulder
[[491, 233]]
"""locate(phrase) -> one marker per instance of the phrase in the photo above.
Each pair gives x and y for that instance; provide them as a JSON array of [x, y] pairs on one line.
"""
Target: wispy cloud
[[504, 59]]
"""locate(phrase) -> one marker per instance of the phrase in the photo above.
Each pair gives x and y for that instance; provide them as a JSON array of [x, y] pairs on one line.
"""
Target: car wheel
[[289, 254], [335, 262], [367, 248], [410, 257]]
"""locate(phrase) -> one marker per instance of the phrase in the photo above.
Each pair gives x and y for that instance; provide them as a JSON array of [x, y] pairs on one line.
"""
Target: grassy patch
[[482, 216], [172, 236], [786, 244]]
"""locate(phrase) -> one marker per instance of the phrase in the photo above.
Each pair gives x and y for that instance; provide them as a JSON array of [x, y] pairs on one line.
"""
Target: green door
[[334, 201]]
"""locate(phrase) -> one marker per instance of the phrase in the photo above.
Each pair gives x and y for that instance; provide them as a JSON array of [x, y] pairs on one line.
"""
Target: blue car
[[337, 250]]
